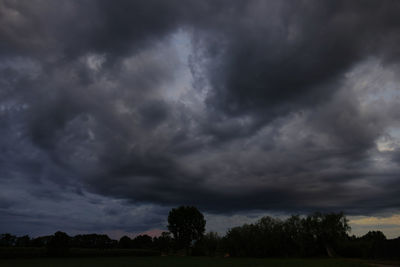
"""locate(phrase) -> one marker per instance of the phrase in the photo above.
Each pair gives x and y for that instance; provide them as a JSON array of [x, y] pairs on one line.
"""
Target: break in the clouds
[[111, 112]]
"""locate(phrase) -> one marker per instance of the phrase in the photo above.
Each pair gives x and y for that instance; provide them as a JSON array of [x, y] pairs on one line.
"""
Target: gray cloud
[[286, 106]]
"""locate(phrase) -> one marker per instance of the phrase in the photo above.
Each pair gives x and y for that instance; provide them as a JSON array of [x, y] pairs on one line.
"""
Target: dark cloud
[[274, 58], [254, 105]]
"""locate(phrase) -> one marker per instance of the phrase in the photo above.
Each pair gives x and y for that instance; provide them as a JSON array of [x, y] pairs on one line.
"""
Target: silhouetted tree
[[376, 236], [23, 241], [392, 248], [207, 245], [7, 240], [142, 242], [212, 242], [93, 241], [373, 244], [125, 242], [294, 236], [186, 224], [262, 239], [328, 230], [59, 244], [318, 234], [314, 235], [41, 241], [163, 242]]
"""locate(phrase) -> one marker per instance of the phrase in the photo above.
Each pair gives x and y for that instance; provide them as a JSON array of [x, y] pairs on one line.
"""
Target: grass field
[[173, 261]]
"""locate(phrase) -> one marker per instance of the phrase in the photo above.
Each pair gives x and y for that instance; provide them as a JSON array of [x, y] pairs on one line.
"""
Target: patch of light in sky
[[181, 42], [94, 61], [377, 90], [390, 225], [373, 81], [390, 141]]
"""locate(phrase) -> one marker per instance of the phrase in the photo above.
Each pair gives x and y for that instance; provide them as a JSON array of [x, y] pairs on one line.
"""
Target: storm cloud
[[231, 106]]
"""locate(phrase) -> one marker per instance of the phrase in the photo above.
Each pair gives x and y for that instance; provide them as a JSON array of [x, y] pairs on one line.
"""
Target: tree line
[[315, 235]]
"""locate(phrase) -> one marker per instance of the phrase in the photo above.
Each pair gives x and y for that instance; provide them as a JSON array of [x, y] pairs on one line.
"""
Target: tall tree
[[59, 244], [163, 242], [328, 229], [125, 242], [186, 224]]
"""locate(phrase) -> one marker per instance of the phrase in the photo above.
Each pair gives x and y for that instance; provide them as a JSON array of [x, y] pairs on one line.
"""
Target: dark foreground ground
[[174, 261]]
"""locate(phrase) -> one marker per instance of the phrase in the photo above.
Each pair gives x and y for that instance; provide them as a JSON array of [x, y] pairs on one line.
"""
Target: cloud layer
[[280, 106]]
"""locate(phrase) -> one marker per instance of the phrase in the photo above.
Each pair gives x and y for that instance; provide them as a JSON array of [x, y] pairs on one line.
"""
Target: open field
[[174, 261]]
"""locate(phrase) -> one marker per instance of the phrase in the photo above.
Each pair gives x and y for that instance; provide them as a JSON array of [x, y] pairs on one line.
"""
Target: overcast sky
[[113, 112]]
